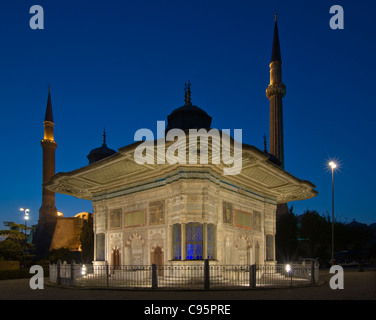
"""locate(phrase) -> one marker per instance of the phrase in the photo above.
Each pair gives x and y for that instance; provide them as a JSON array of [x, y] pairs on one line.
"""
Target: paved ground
[[188, 304], [357, 286]]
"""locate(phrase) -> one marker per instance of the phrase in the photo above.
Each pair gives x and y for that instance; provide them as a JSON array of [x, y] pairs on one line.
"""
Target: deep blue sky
[[122, 65]]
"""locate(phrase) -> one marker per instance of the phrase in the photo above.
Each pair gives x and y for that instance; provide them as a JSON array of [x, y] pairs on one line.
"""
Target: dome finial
[[187, 89], [265, 143], [104, 135], [275, 15]]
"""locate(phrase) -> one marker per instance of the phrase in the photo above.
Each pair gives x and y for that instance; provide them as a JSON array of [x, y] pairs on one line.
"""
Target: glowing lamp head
[[288, 268], [332, 165], [83, 270], [26, 212]]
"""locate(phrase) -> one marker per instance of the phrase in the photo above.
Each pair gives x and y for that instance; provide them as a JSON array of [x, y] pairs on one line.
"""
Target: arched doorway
[[157, 259], [115, 259]]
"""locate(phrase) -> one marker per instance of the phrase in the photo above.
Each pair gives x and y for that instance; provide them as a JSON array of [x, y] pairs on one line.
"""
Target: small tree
[[15, 246]]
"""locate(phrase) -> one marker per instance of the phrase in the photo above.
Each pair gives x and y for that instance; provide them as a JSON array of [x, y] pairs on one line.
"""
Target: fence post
[[154, 276], [312, 272], [72, 276], [252, 276], [58, 277], [107, 273], [206, 275]]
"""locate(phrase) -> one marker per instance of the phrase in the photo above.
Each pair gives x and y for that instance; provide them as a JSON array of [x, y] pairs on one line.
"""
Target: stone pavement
[[357, 286]]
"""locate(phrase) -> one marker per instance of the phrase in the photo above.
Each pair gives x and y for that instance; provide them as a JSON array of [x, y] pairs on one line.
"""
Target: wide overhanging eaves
[[121, 172]]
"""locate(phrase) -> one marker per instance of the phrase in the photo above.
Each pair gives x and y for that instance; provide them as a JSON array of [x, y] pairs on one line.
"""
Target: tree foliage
[[15, 247], [87, 240], [62, 254], [11, 250], [314, 229], [287, 237], [310, 236]]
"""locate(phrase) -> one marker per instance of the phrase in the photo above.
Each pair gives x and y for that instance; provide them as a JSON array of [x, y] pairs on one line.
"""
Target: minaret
[[275, 92], [48, 211]]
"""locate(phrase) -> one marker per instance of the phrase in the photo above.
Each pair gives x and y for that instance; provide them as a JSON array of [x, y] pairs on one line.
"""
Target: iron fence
[[186, 276]]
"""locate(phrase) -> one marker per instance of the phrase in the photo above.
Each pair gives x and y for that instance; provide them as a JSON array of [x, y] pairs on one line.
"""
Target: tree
[[11, 250], [313, 229], [87, 240], [287, 236], [15, 246], [15, 231]]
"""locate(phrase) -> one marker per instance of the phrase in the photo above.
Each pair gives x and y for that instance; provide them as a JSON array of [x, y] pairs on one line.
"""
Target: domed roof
[[101, 152], [188, 116]]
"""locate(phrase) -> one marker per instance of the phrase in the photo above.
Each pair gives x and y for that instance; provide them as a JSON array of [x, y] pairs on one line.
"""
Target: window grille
[[269, 248], [211, 241], [100, 247], [176, 241], [194, 241]]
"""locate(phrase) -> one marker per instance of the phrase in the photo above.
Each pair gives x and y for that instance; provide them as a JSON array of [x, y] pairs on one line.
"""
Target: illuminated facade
[[165, 214]]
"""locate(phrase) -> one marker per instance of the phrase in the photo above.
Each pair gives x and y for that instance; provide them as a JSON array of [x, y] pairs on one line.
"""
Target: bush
[[62, 254], [19, 274]]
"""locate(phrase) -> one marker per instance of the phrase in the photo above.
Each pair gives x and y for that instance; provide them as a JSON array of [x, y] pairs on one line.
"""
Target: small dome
[[101, 152], [188, 116]]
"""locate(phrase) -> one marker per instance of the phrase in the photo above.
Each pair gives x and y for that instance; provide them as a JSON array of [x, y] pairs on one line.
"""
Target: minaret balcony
[[276, 89]]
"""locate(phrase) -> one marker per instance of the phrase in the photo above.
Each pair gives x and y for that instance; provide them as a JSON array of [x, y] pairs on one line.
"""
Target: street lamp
[[26, 217], [332, 166]]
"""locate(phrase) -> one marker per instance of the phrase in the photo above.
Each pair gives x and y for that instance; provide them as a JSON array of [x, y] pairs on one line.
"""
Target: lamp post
[[26, 217], [333, 166]]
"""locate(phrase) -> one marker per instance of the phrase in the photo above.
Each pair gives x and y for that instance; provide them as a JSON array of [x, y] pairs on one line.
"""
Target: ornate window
[[176, 241], [197, 239], [269, 248], [257, 221], [100, 247], [115, 219], [135, 218], [211, 241], [243, 219], [156, 212], [228, 213], [194, 241]]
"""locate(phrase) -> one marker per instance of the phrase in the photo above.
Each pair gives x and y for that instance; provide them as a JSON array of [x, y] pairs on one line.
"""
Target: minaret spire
[[49, 116], [275, 92], [276, 50]]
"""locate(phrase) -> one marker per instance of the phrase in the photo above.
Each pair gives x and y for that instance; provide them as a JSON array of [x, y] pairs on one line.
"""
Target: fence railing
[[196, 276]]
